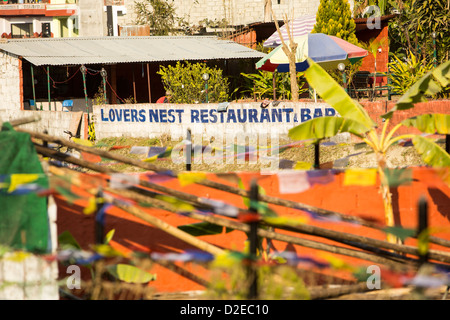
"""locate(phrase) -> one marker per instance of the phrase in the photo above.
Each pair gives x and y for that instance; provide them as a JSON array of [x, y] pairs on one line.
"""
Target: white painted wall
[[155, 120], [55, 122]]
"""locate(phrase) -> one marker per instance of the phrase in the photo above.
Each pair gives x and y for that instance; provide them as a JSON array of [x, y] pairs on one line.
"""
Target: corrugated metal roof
[[109, 50]]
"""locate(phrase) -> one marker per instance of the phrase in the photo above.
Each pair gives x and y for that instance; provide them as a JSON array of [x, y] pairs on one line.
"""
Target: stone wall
[[10, 81], [91, 20], [236, 12]]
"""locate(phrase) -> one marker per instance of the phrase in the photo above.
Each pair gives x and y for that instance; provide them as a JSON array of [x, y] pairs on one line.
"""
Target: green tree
[[384, 6], [403, 74], [355, 120], [413, 29], [158, 14], [334, 18], [261, 84], [372, 47], [184, 81]]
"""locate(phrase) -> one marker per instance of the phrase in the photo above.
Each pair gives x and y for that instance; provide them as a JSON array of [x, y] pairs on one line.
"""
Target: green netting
[[23, 216]]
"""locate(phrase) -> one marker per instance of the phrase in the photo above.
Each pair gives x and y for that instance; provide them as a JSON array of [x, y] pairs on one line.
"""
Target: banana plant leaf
[[430, 123], [326, 127], [432, 154], [67, 240], [401, 233], [430, 84], [333, 94], [130, 274]]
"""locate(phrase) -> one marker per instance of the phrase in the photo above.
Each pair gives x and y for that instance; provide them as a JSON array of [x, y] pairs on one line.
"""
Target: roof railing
[[114, 2]]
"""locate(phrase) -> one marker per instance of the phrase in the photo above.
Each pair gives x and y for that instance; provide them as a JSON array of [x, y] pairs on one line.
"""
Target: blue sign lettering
[[212, 115], [264, 115], [231, 116], [252, 113], [103, 117], [277, 114], [330, 112], [163, 115], [194, 116], [288, 111], [206, 115], [318, 113], [305, 115], [244, 115], [126, 115]]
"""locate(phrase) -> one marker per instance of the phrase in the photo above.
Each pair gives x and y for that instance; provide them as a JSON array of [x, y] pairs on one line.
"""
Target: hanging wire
[[123, 101], [59, 82]]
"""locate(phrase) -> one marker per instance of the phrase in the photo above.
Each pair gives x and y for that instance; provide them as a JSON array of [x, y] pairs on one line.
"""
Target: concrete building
[[29, 19], [235, 12], [59, 18]]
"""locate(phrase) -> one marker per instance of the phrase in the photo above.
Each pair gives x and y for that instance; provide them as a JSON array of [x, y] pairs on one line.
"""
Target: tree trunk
[[290, 52], [387, 198], [292, 70]]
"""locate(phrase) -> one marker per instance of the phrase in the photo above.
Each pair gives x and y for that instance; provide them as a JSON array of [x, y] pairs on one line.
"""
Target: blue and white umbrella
[[326, 50]]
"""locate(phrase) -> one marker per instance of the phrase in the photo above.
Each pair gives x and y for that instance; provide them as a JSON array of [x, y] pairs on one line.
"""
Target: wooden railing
[[114, 2]]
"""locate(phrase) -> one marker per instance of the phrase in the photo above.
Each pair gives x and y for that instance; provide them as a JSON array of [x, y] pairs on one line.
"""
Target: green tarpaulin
[[23, 215]]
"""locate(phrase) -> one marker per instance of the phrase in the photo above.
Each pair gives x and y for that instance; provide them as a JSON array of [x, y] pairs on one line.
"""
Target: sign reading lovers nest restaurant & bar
[[152, 120]]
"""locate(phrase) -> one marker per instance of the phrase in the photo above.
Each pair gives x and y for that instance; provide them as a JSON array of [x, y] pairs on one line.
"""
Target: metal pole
[[104, 75], [34, 92], [188, 150], [253, 238], [148, 82], [274, 85], [206, 90], [344, 79], [48, 88], [434, 50], [83, 72], [389, 84], [134, 88]]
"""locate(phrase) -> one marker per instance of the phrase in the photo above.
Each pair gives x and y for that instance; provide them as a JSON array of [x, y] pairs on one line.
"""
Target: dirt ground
[[339, 155]]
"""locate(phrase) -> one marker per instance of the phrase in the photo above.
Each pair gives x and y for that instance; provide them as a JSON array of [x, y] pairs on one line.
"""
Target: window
[[21, 30]]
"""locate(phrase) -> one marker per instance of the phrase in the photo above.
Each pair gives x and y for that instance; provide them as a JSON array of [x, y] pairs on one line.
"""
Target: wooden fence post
[[422, 232], [99, 218], [253, 238]]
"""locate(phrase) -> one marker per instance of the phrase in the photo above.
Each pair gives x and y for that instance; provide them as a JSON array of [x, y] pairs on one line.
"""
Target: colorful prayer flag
[[292, 181], [360, 177], [187, 178]]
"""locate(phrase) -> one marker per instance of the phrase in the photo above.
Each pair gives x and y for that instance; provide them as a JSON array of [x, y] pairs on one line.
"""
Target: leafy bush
[[184, 81], [403, 74], [261, 84], [158, 14]]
